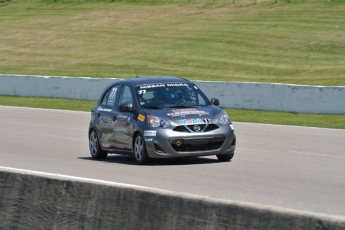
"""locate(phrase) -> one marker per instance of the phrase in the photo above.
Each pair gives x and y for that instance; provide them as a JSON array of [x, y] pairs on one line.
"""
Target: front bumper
[[168, 143]]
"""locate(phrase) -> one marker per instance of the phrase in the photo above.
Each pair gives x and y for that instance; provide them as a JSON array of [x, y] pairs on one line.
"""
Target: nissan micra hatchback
[[159, 117]]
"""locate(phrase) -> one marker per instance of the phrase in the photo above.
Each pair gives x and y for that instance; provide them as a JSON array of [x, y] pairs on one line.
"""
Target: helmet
[[171, 94]]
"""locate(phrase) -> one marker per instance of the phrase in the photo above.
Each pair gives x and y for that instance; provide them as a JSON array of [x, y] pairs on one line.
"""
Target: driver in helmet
[[167, 97]]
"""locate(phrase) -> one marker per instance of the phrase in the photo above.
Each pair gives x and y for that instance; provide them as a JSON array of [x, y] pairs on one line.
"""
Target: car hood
[[181, 115]]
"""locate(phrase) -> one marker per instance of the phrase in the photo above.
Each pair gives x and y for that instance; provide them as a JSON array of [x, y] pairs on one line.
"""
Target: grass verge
[[48, 103], [302, 42], [265, 117]]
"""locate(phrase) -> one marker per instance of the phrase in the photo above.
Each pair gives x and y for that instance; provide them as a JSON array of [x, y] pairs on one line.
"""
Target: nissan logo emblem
[[197, 128]]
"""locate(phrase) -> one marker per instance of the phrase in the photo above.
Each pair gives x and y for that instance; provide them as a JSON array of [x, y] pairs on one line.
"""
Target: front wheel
[[140, 152], [225, 157], [95, 149]]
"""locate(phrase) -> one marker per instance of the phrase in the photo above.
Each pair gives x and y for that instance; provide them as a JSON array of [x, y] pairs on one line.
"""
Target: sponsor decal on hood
[[184, 112], [191, 121]]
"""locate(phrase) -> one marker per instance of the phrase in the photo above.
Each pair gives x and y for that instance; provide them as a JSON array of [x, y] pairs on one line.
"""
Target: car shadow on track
[[129, 160]]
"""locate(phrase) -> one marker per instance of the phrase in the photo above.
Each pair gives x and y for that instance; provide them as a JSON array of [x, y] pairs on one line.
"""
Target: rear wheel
[[225, 157], [140, 152], [95, 149]]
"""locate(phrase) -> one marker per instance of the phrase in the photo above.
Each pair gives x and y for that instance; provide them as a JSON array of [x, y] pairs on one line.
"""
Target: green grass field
[[295, 41], [299, 43]]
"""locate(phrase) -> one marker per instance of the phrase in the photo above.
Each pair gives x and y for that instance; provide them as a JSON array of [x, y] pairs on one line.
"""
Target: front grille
[[211, 127], [199, 144], [190, 128], [181, 128]]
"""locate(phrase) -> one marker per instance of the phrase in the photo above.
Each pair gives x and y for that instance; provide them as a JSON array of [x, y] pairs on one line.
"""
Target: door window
[[126, 96]]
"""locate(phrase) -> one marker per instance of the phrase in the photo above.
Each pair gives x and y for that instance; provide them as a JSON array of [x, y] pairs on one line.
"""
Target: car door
[[106, 113], [124, 127]]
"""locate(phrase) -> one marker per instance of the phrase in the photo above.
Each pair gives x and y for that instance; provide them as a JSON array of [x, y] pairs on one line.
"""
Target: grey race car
[[159, 117]]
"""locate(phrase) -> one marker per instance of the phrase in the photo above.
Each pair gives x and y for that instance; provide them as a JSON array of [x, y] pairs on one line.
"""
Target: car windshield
[[170, 95]]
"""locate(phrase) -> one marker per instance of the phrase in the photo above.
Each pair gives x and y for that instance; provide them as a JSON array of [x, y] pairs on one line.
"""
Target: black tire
[[225, 157], [94, 147], [139, 150]]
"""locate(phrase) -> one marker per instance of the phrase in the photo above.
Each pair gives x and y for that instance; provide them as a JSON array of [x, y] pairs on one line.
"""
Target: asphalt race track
[[292, 167]]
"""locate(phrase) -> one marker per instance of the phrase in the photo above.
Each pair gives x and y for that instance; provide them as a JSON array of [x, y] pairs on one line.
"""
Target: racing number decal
[[141, 118]]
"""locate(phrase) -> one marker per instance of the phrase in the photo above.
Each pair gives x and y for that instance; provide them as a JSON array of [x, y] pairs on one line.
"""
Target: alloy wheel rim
[[93, 143], [139, 146]]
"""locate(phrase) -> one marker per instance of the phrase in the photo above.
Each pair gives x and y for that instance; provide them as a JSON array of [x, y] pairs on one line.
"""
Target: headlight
[[155, 121], [224, 118]]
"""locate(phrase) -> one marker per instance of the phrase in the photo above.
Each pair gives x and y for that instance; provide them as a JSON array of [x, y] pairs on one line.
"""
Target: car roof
[[160, 79]]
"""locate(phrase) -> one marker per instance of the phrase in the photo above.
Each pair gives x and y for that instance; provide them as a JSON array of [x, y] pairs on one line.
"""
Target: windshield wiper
[[181, 106], [149, 107]]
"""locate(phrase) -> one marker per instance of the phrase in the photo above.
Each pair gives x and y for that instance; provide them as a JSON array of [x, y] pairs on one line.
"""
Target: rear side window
[[110, 96], [105, 98]]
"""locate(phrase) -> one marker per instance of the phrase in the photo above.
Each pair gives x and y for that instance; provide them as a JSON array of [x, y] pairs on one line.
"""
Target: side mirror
[[125, 108], [215, 101]]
